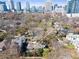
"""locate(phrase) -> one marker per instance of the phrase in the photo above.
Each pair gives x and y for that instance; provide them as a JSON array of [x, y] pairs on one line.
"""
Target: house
[[20, 39], [34, 45], [19, 44], [74, 39], [64, 31]]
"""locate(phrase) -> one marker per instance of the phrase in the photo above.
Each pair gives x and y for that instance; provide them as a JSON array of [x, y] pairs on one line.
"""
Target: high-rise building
[[27, 8], [69, 7], [59, 9], [73, 6], [3, 7], [11, 5], [40, 9], [55, 6], [33, 9], [18, 6], [48, 6]]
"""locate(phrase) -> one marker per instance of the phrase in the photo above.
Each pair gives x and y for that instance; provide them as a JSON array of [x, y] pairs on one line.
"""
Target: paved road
[[59, 52]]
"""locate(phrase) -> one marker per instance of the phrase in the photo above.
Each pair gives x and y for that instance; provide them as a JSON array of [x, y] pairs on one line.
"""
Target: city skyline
[[36, 2], [32, 6]]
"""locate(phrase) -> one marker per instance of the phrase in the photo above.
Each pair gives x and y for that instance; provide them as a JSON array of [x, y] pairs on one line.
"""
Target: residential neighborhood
[[39, 29]]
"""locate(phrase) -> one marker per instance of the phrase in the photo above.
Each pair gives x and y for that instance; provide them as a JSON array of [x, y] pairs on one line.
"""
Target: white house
[[74, 39]]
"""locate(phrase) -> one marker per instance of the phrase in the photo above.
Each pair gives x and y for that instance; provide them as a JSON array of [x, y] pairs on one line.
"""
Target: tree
[[2, 36], [39, 52]]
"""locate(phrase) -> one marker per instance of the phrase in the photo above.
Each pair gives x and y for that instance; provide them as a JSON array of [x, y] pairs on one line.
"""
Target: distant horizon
[[36, 2]]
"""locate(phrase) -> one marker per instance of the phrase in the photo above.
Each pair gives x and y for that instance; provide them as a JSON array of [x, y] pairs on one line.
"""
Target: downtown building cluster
[[28, 8], [48, 6]]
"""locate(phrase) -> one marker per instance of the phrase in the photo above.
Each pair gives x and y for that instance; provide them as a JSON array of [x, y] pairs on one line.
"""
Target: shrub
[[45, 53]]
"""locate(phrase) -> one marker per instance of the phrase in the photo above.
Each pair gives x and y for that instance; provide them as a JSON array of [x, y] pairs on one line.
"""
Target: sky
[[37, 2]]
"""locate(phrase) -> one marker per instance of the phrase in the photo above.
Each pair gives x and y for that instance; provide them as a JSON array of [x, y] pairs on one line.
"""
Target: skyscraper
[[73, 6], [55, 6], [18, 6], [33, 9], [11, 5], [27, 6], [3, 7], [40, 9], [48, 6]]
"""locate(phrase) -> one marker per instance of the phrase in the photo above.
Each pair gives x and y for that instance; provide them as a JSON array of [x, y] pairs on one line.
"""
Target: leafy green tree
[[40, 52]]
